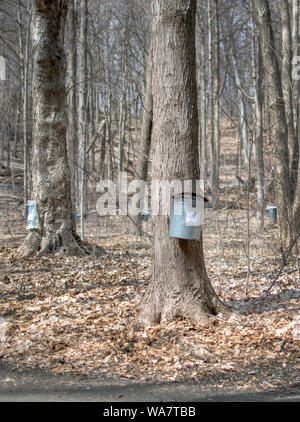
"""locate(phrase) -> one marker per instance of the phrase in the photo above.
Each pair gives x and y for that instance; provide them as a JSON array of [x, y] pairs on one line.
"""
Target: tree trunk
[[145, 140], [287, 85], [51, 173], [277, 120], [102, 150], [123, 99], [296, 91], [295, 96], [203, 115], [213, 80], [82, 112], [72, 130], [25, 95], [259, 149], [216, 113], [243, 114], [180, 286], [287, 178], [287, 55], [122, 119], [296, 51], [257, 73]]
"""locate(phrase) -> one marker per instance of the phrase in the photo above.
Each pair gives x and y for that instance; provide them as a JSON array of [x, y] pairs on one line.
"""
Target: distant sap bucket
[[186, 217], [33, 221], [272, 214], [76, 217], [145, 215]]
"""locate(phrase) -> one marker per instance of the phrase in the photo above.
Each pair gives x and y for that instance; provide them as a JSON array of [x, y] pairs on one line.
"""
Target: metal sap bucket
[[145, 215], [272, 214], [33, 221], [76, 217], [186, 218]]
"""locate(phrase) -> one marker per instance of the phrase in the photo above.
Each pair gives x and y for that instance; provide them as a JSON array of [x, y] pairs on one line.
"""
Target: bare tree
[[287, 182], [287, 85], [82, 109], [51, 173], [257, 72], [213, 66], [24, 53], [180, 285], [296, 52], [145, 139], [72, 130]]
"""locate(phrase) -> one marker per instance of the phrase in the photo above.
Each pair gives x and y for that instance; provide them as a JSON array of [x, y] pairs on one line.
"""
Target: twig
[[96, 180], [283, 265]]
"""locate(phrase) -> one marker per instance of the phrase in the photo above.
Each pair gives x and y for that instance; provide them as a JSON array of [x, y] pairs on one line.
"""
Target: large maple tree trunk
[[51, 173], [180, 286]]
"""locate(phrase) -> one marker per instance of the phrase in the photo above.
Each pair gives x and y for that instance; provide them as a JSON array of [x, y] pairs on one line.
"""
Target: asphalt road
[[39, 386]]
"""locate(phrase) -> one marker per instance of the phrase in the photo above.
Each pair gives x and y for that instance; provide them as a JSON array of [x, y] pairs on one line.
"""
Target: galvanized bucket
[[76, 217], [33, 221], [185, 218], [272, 214], [145, 215]]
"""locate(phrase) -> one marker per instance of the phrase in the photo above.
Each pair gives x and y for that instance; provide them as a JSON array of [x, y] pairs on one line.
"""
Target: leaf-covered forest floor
[[73, 314]]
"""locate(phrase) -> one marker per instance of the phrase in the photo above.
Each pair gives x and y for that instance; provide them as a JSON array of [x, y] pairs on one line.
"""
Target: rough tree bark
[[72, 130], [278, 120], [287, 174], [82, 110], [259, 138], [242, 112], [145, 140], [296, 50], [25, 96], [257, 74], [203, 112], [51, 173], [213, 53], [180, 286], [217, 90], [287, 86]]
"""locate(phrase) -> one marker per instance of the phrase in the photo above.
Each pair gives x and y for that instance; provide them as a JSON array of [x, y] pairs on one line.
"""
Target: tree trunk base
[[30, 245], [64, 242], [135, 226], [188, 306]]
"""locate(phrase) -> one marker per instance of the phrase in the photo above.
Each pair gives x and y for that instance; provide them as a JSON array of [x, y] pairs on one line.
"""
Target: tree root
[[30, 245], [65, 243], [196, 311]]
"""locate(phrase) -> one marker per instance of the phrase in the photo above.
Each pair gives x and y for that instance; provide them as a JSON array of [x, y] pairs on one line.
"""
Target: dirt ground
[[35, 385]]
